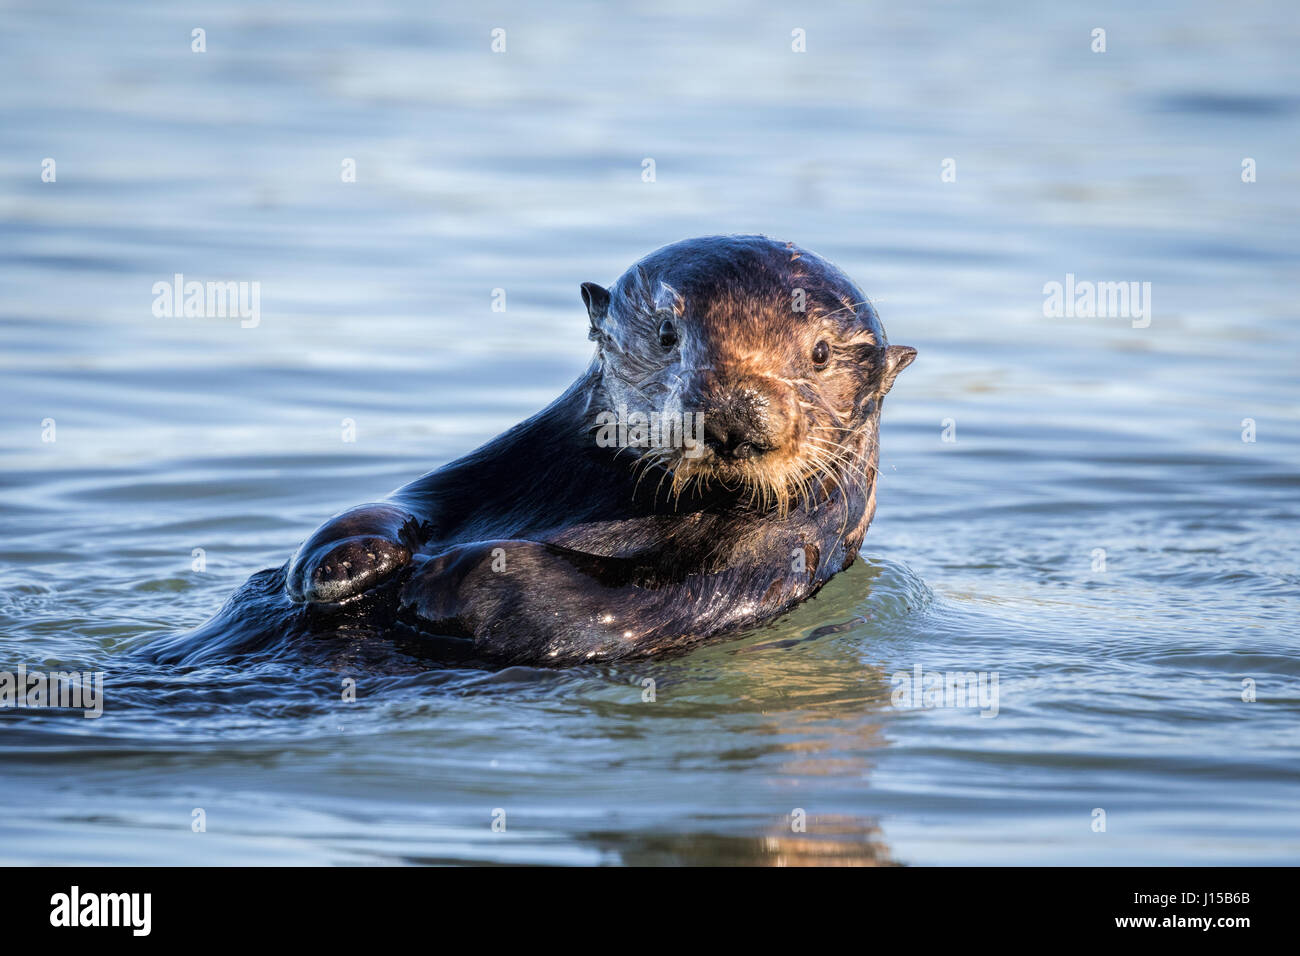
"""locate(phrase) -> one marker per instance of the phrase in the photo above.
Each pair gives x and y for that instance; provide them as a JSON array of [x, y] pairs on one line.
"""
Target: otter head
[[743, 363]]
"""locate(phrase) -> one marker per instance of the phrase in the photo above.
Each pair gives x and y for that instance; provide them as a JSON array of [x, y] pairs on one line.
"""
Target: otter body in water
[[583, 535]]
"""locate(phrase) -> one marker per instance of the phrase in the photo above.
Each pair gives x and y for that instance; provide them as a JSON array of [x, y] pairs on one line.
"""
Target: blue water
[[1120, 690]]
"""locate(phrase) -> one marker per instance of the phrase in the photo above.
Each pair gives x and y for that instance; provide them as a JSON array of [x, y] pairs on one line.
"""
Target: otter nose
[[735, 427], [727, 442]]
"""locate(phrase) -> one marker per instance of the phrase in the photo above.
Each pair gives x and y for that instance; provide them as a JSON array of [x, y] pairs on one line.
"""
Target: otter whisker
[[857, 454]]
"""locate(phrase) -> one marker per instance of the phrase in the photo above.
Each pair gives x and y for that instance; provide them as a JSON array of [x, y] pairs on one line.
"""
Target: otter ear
[[596, 299], [897, 358]]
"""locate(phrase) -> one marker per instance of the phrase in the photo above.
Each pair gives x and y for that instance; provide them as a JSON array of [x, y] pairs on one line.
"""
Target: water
[[1119, 690]]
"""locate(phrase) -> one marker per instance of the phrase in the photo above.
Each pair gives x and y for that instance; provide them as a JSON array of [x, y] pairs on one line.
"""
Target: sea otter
[[714, 466]]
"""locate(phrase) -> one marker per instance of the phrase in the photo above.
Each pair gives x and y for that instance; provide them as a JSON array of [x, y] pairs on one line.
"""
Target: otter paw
[[344, 569]]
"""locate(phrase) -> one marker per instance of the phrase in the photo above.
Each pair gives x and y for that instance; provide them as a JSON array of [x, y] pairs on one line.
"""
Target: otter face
[[755, 365]]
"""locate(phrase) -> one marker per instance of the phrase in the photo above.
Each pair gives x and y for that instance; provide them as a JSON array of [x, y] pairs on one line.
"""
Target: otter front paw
[[343, 569]]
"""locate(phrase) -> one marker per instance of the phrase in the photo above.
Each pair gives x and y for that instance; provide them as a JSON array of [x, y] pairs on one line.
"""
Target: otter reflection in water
[[563, 541]]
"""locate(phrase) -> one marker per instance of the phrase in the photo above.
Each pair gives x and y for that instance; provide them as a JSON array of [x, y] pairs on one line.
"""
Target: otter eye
[[667, 334], [821, 354]]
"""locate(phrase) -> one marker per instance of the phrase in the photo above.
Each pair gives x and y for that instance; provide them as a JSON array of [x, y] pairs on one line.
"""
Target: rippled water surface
[[1119, 688]]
